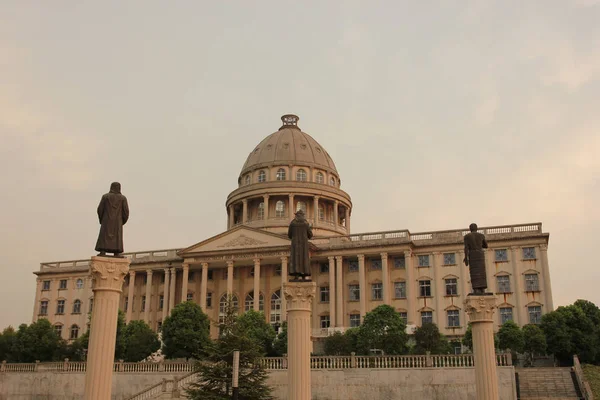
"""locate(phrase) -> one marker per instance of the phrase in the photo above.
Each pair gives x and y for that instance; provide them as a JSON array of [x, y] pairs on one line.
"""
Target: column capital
[[300, 295], [256, 261], [149, 272], [109, 273], [316, 197], [173, 270], [291, 196], [284, 259], [245, 201], [544, 247], [384, 255], [480, 308], [361, 257], [407, 253], [331, 258], [336, 202], [185, 266], [514, 248], [204, 264], [131, 272], [230, 263], [437, 253], [339, 258], [166, 270]]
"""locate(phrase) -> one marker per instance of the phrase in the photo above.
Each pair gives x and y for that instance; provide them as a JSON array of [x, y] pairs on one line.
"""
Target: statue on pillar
[[299, 232], [113, 213], [475, 259]]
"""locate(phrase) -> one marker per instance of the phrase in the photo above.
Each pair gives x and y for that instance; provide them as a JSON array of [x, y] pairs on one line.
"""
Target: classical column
[[256, 302], [231, 217], [172, 290], [229, 278], [438, 290], [521, 317], [291, 207], [108, 274], [481, 310], [130, 296], [148, 296], [204, 286], [339, 291], [266, 201], [411, 295], [244, 211], [336, 219], [166, 295], [385, 278], [284, 279], [362, 288], [546, 274], [348, 212], [316, 210], [184, 282], [36, 303], [299, 297], [332, 309]]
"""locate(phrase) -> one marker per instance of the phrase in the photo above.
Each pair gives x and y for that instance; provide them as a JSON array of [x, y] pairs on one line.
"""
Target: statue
[[299, 231], [113, 213], [475, 259]]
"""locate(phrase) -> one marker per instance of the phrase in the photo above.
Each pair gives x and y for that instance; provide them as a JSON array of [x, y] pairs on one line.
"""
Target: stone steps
[[546, 383]]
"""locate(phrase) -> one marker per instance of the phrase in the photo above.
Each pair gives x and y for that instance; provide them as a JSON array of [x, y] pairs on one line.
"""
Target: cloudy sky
[[436, 115]]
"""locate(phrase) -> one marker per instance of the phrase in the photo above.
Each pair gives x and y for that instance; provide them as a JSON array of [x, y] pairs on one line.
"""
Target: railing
[[135, 257], [80, 366], [586, 390]]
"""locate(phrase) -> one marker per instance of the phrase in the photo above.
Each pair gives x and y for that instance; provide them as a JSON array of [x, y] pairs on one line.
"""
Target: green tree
[[534, 341], [382, 329], [37, 341], [140, 341], [338, 344], [510, 336], [280, 343], [8, 340], [467, 340], [429, 338], [185, 333], [255, 324]]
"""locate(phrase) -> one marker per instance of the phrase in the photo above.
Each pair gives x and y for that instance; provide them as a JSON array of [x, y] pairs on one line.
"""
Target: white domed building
[[420, 274]]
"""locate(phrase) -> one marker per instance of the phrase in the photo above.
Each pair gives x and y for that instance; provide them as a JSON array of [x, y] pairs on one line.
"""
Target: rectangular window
[[44, 308], [190, 297], [503, 283], [425, 288], [453, 318], [376, 264], [324, 321], [451, 287], [531, 283], [400, 290], [324, 294], [46, 285], [58, 330], [423, 260], [535, 314], [404, 316], [278, 270], [528, 253], [62, 284], [209, 275], [209, 300], [354, 292], [323, 268], [426, 317], [143, 303], [501, 255], [191, 276], [60, 307], [354, 320], [449, 258], [377, 291], [399, 262], [506, 314], [161, 302], [353, 266]]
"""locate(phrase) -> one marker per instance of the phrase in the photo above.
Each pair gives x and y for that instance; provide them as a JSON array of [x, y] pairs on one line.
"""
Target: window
[[143, 303], [275, 316], [376, 264], [425, 288], [426, 317], [535, 314], [451, 287], [191, 276], [532, 283], [278, 270], [324, 294], [247, 179], [353, 266], [261, 210], [223, 306], [301, 206], [280, 209], [60, 307], [44, 307], [161, 302], [126, 303], [319, 178], [79, 284], [354, 292], [91, 304], [449, 258], [400, 290], [506, 314], [503, 283], [325, 321], [210, 275], [399, 262], [280, 174], [249, 302], [321, 212], [77, 307], [209, 300], [58, 330], [332, 181], [262, 177], [423, 260], [62, 284], [354, 320], [301, 175], [453, 318], [528, 253], [404, 316], [377, 291], [46, 285], [74, 332], [190, 297], [501, 255]]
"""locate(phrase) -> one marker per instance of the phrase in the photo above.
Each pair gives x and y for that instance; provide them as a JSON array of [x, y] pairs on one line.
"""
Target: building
[[420, 274]]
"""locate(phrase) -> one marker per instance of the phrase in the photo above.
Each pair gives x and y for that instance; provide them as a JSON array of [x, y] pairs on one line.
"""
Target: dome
[[289, 146]]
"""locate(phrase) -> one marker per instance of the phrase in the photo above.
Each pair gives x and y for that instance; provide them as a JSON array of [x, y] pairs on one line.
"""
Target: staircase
[[167, 389], [547, 383]]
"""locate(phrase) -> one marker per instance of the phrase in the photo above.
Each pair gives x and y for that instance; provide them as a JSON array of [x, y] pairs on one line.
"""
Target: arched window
[[319, 177], [280, 209], [223, 306], [301, 206], [79, 284], [332, 181], [247, 180], [275, 307], [77, 307], [281, 174], [74, 332], [261, 210], [262, 177], [301, 175], [58, 330], [321, 212], [249, 303]]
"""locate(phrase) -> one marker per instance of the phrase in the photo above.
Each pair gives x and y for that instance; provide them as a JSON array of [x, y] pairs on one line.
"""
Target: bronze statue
[[113, 213], [300, 231], [475, 259]]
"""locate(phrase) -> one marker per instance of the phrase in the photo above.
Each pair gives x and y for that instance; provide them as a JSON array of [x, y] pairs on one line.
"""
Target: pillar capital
[[149, 272], [407, 253], [339, 258], [245, 201], [204, 265], [514, 248], [185, 266], [384, 255], [480, 308], [173, 270], [299, 295], [361, 257], [109, 273], [131, 272], [331, 258], [266, 196], [284, 259], [230, 263], [543, 247], [256, 261]]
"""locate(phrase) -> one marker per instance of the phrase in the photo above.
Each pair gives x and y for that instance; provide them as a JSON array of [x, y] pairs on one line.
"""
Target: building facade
[[421, 275]]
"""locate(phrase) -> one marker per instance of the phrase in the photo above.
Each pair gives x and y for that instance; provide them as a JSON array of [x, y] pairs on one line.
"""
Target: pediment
[[239, 238]]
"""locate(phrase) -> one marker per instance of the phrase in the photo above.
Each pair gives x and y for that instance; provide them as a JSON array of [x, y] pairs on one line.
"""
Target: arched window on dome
[[261, 210], [321, 212], [74, 332], [247, 180], [281, 174], [301, 206], [301, 175], [77, 307], [223, 306], [320, 177], [249, 302], [275, 307], [280, 209], [332, 181], [262, 177]]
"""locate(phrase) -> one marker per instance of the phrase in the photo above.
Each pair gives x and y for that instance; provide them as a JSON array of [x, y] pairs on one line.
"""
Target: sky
[[437, 114]]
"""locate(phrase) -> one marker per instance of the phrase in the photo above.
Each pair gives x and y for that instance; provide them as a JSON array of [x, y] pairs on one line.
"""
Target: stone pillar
[[172, 290], [481, 310], [385, 279], [229, 278], [438, 290], [109, 274], [291, 207], [284, 279], [36, 303], [362, 283], [148, 296], [184, 282], [348, 212], [316, 211], [521, 318], [332, 309], [411, 296], [339, 291], [256, 302], [166, 295], [231, 217], [336, 219], [266, 201], [546, 274], [299, 297], [244, 211], [204, 286], [130, 296]]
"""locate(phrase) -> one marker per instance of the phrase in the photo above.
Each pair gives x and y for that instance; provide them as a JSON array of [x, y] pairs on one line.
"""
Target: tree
[[534, 341], [37, 341], [215, 376], [467, 340], [8, 339], [280, 343], [510, 336], [338, 344], [429, 338], [256, 326], [140, 341], [382, 329], [185, 333]]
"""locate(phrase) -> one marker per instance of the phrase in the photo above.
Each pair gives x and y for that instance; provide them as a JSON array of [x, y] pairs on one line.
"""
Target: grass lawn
[[592, 375]]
